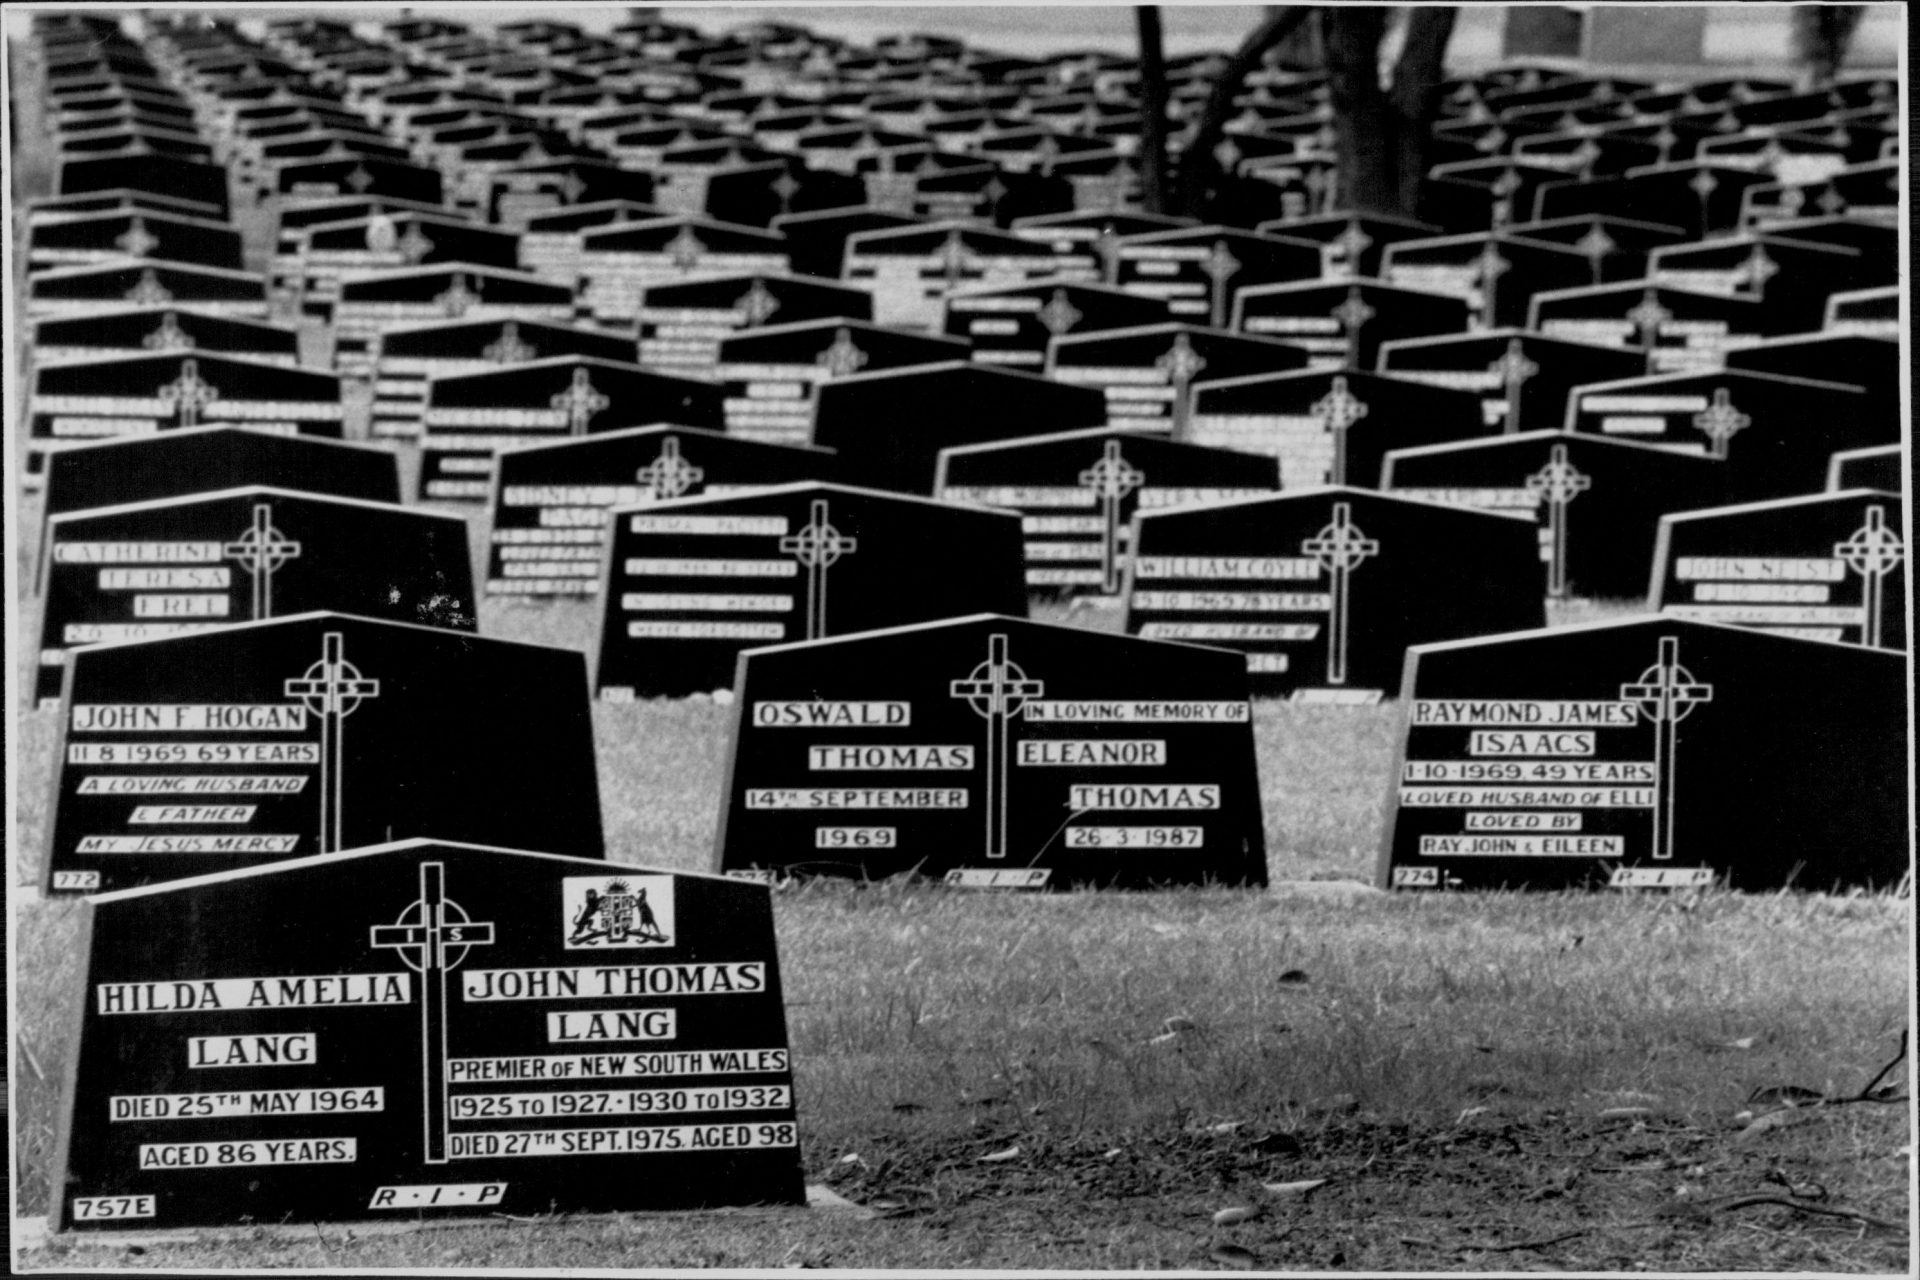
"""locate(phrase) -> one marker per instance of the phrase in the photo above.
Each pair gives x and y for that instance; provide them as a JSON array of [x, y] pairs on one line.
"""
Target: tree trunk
[[1416, 96], [1366, 133], [1198, 166], [1822, 33], [1153, 109]]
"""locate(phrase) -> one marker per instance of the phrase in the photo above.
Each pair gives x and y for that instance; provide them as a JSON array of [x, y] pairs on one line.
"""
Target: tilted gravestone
[[1146, 375], [174, 565], [1330, 427], [682, 325], [693, 581], [995, 753], [459, 1031], [471, 417], [1076, 493], [773, 376], [1342, 324], [92, 400], [1522, 378], [405, 359], [1881, 466], [203, 459], [1778, 434], [550, 502], [1828, 566], [1623, 753], [1324, 589], [134, 331], [890, 427], [1678, 331], [1010, 326], [1597, 502], [265, 741]]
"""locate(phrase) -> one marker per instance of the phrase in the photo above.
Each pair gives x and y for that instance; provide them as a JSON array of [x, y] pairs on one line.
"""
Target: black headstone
[[1700, 199], [1147, 375], [695, 580], [1828, 566], [1778, 433], [174, 565], [1649, 752], [1615, 248], [550, 243], [550, 502], [86, 291], [772, 376], [359, 175], [407, 359], [146, 171], [1323, 590], [683, 324], [995, 753], [1496, 274], [471, 417], [619, 263], [1011, 326], [890, 427], [377, 1051], [1677, 330], [1076, 493], [1351, 244], [816, 242], [371, 303], [910, 270], [1793, 279], [1597, 501], [1522, 378], [1330, 427], [265, 741], [1196, 270], [1342, 324], [125, 332], [394, 241], [1881, 466], [117, 235], [1872, 364]]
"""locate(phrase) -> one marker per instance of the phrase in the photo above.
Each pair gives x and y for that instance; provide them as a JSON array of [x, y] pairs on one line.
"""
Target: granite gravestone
[[368, 305], [550, 242], [363, 176], [146, 171], [1793, 279], [1341, 325], [756, 194], [1323, 590], [1881, 466], [1073, 236], [265, 741], [1700, 199], [1351, 244], [693, 581], [772, 376], [1146, 375], [1870, 313], [111, 334], [890, 427], [292, 218], [393, 241], [459, 1031], [92, 400], [1778, 433], [910, 270], [1828, 566], [816, 242], [404, 361], [550, 502], [1597, 501], [1623, 754], [1872, 364], [1196, 270], [619, 263], [86, 291], [1496, 275], [471, 417], [118, 234], [1615, 248], [683, 325], [175, 565], [995, 753], [1522, 378], [1011, 326], [1076, 493], [1678, 331], [1330, 427]]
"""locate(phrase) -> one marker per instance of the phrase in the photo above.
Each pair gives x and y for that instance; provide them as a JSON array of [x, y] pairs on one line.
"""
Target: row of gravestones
[[1570, 755]]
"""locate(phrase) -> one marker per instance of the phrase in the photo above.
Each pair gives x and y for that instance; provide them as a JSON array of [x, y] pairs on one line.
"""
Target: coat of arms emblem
[[618, 911]]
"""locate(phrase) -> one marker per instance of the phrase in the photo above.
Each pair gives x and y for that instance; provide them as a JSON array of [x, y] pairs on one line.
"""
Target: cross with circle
[[1596, 245], [169, 336], [1220, 266], [580, 402], [1182, 364], [1556, 485], [843, 356], [1111, 479], [1336, 411], [431, 938], [1647, 316], [1342, 548], [1666, 693], [261, 551], [332, 689], [1353, 315], [1513, 369], [996, 689], [508, 348], [669, 475], [818, 547], [1720, 420], [148, 291], [1873, 551], [757, 304]]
